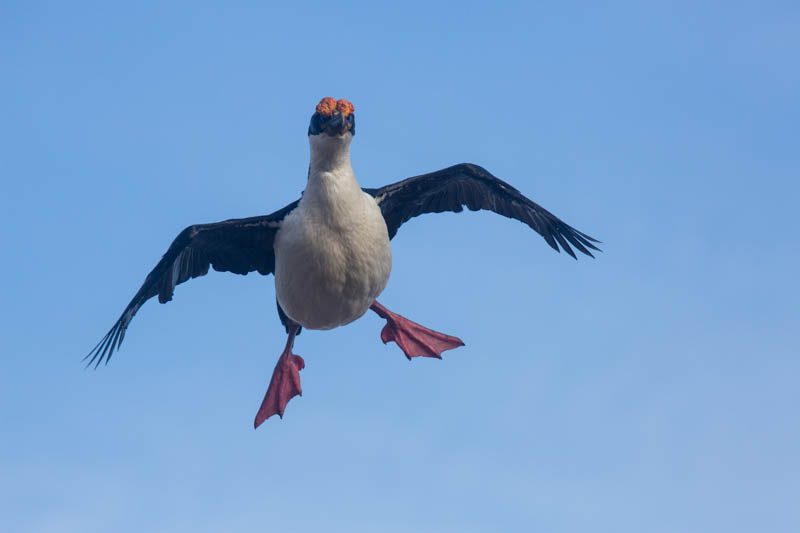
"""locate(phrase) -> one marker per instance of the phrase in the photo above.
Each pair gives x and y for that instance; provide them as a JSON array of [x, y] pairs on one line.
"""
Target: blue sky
[[652, 389]]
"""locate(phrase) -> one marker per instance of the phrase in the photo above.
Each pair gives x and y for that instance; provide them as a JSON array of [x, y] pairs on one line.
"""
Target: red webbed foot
[[414, 339], [284, 385]]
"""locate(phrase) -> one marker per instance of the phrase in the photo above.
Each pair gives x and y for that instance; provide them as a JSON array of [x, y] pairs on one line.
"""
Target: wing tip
[[104, 349]]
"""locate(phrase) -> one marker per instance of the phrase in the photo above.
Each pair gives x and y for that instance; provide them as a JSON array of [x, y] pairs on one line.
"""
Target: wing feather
[[238, 245], [453, 188]]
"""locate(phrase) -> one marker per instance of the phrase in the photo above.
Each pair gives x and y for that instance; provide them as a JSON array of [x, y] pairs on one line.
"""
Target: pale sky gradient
[[653, 389]]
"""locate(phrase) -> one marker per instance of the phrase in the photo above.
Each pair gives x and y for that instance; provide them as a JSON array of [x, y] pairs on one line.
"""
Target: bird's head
[[333, 118]]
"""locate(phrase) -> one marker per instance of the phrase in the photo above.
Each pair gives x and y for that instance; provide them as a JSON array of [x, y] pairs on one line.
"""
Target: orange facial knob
[[326, 106], [345, 107]]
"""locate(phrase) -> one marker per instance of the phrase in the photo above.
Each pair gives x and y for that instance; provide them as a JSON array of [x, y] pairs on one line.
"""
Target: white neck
[[330, 175], [329, 153]]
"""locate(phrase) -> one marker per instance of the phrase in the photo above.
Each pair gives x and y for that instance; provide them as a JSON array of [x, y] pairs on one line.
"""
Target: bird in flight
[[330, 250]]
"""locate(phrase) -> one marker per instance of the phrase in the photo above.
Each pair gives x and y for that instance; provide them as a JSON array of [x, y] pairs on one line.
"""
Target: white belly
[[330, 266]]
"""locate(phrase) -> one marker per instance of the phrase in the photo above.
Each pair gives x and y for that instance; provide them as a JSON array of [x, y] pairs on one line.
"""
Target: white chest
[[332, 253]]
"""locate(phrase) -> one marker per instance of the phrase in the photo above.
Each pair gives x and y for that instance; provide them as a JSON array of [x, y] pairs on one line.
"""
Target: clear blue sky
[[652, 389]]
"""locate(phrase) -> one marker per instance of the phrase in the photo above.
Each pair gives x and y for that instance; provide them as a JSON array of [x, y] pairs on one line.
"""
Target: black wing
[[240, 246], [452, 188]]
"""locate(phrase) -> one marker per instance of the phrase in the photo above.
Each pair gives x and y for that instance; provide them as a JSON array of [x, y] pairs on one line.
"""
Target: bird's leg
[[415, 340], [285, 382]]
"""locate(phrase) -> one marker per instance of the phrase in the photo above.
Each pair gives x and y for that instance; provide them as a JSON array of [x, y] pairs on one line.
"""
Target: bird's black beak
[[336, 124]]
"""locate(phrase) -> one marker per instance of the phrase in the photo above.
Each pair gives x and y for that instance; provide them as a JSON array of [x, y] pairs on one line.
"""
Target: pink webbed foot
[[284, 385], [415, 340]]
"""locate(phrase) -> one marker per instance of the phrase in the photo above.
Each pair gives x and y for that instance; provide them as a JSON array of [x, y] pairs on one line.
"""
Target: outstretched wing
[[469, 185], [240, 246]]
